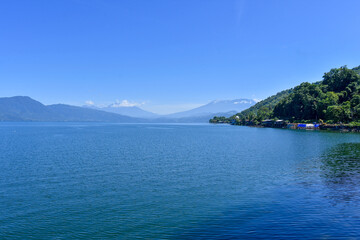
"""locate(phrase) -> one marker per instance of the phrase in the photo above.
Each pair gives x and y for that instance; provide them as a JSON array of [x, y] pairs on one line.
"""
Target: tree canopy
[[334, 99]]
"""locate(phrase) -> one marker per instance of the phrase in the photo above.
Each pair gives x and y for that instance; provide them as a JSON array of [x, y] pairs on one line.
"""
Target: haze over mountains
[[22, 108], [27, 109], [218, 106], [131, 111]]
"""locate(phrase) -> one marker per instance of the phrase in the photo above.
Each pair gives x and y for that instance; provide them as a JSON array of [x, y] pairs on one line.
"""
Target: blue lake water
[[169, 181]]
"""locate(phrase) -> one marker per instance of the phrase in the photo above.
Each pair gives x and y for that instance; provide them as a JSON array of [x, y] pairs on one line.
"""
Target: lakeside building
[[273, 123]]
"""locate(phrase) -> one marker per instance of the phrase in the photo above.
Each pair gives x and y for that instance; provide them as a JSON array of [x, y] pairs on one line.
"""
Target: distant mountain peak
[[23, 108], [124, 103], [127, 110], [217, 106], [245, 101], [235, 101]]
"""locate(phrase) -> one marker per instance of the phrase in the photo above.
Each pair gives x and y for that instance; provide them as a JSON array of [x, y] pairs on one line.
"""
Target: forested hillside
[[334, 99], [264, 108]]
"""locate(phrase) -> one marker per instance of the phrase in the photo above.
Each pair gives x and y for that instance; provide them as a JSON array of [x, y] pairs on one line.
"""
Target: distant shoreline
[[344, 128]]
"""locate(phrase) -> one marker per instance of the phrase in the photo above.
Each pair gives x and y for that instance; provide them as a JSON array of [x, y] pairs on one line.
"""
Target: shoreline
[[343, 128]]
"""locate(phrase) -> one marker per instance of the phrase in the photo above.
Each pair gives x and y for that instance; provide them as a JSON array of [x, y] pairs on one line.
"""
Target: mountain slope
[[334, 99], [26, 109], [191, 119], [21, 108], [265, 106], [128, 111], [72, 113], [215, 107]]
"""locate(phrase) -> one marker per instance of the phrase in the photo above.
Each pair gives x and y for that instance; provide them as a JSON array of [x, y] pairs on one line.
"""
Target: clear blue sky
[[170, 55]]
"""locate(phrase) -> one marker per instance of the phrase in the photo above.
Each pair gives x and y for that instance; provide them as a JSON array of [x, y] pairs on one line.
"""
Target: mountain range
[[214, 107], [23, 108], [131, 111]]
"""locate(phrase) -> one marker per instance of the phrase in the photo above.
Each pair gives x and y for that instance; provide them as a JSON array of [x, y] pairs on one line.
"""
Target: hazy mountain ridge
[[22, 108], [215, 107], [132, 111], [192, 119]]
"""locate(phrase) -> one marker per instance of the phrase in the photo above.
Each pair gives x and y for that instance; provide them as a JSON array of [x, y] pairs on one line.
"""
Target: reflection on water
[[341, 171], [324, 204], [342, 162], [111, 181]]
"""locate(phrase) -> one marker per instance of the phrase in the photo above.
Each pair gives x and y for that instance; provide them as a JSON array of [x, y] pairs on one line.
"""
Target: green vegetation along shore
[[333, 101]]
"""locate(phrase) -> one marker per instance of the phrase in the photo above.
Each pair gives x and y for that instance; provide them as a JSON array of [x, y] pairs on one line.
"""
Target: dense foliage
[[219, 120], [357, 69], [334, 99], [261, 110]]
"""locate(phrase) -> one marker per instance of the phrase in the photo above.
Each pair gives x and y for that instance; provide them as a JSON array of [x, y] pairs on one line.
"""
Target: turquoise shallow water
[[168, 181]]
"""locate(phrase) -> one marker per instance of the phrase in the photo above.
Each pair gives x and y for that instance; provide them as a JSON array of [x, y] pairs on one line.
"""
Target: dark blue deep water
[[166, 181]]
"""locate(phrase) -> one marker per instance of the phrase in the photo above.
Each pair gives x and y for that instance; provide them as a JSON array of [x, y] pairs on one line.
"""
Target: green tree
[[334, 113], [337, 79]]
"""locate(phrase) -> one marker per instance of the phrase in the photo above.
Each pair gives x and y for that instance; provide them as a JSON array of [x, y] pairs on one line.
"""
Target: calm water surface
[[166, 181]]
